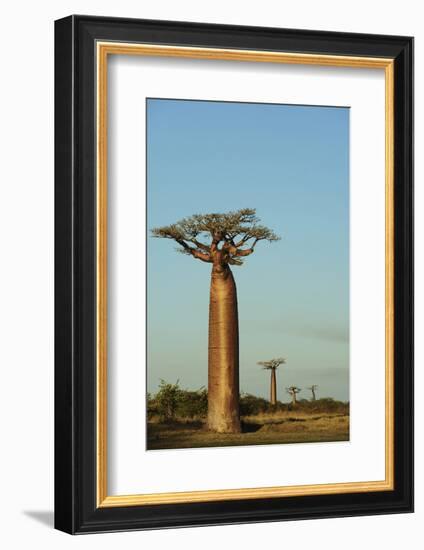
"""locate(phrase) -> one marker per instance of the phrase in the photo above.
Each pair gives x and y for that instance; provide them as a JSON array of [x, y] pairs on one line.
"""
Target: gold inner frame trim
[[103, 50]]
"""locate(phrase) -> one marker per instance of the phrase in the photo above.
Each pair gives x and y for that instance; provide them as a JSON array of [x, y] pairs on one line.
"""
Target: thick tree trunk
[[223, 354], [294, 399], [273, 399]]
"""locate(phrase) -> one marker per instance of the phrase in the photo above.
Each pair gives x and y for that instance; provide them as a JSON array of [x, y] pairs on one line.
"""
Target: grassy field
[[260, 429]]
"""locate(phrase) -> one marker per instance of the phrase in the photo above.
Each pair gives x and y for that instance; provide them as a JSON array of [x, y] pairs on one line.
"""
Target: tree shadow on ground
[[250, 427]]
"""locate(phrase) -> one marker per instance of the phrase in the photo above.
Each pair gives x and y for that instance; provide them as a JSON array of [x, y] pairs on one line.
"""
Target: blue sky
[[291, 163]]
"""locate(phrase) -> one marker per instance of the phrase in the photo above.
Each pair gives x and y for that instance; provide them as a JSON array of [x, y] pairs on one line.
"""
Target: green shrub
[[166, 400], [251, 405], [172, 403], [325, 404], [192, 404]]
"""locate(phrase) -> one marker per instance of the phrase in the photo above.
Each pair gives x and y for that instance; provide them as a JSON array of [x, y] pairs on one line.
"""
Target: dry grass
[[262, 429]]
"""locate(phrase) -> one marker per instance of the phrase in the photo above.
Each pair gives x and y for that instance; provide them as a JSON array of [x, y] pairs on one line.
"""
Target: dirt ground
[[256, 430]]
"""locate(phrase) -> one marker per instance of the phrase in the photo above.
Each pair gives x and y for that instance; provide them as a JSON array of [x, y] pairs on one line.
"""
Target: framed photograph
[[234, 274]]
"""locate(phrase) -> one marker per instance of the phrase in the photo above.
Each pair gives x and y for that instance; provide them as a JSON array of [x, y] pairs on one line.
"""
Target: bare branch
[[196, 253], [245, 252], [201, 255], [218, 228], [184, 245], [203, 246]]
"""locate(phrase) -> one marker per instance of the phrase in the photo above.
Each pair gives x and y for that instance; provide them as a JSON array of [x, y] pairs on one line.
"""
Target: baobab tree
[[313, 389], [222, 240], [272, 365], [293, 391]]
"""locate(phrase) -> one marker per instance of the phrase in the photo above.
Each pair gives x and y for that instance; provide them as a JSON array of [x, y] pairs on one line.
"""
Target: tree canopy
[[293, 390], [226, 237], [272, 364]]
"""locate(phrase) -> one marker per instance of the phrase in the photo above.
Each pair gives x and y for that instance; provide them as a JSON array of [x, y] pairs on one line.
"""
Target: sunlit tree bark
[[222, 240], [313, 389], [272, 365]]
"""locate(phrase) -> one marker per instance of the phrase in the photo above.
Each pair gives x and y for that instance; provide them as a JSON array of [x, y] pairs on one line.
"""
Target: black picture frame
[[76, 510]]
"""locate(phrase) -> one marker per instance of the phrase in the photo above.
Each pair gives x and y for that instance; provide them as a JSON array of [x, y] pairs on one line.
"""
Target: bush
[[166, 400], [251, 405], [325, 404], [171, 403], [192, 404]]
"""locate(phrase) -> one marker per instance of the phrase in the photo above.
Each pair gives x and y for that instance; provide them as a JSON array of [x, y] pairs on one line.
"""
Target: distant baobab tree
[[222, 240], [293, 391], [313, 389], [273, 365]]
